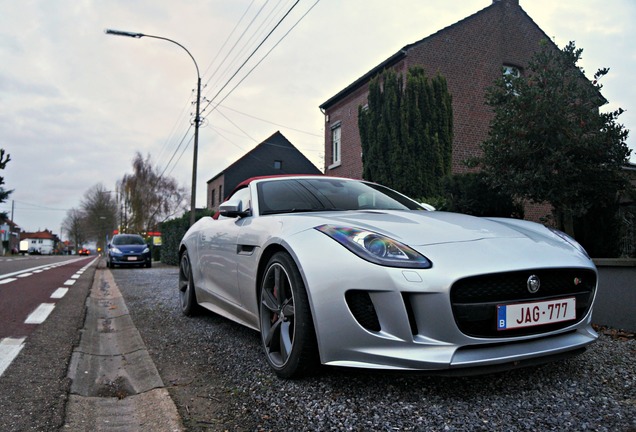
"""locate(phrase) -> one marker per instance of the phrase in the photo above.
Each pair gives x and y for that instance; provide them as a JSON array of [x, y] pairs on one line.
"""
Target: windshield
[[305, 195], [128, 240]]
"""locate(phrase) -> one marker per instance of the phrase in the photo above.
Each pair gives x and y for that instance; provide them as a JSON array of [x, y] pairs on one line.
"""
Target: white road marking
[[9, 349], [40, 313], [59, 293], [70, 282], [25, 275], [45, 267], [4, 281]]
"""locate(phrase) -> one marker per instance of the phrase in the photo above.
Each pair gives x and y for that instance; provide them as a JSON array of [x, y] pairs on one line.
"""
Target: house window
[[220, 193], [213, 198], [335, 145], [511, 73], [278, 164], [514, 71]]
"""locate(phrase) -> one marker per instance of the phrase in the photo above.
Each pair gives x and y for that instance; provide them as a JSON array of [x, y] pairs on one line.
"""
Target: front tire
[[287, 328], [187, 296]]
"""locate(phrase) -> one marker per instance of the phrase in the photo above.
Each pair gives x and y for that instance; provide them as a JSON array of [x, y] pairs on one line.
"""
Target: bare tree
[[74, 225], [148, 197], [99, 208]]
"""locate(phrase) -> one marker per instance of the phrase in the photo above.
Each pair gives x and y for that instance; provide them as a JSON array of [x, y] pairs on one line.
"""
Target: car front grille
[[474, 299]]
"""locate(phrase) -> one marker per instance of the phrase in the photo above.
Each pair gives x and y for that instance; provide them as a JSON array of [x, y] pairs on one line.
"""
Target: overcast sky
[[76, 104]]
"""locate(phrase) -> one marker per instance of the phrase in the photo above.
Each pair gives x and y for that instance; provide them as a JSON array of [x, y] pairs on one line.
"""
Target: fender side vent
[[409, 311], [362, 308]]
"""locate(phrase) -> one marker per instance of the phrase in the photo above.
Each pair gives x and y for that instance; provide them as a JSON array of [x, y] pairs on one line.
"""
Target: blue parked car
[[128, 250]]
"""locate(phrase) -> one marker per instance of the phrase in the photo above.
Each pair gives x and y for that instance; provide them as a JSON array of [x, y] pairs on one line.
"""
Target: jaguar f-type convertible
[[344, 272]]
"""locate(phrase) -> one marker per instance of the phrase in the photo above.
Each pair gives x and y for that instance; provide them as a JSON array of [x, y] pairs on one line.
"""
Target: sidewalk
[[115, 384]]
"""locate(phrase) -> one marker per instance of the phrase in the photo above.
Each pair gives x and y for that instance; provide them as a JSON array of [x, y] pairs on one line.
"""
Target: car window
[[298, 195]]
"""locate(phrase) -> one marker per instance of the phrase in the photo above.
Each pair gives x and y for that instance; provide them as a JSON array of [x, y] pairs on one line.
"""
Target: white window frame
[[336, 145]]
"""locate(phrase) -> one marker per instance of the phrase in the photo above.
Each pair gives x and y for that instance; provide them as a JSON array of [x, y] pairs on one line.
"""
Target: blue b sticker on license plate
[[536, 313]]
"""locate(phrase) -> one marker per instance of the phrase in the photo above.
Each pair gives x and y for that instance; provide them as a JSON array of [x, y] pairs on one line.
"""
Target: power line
[[38, 207], [177, 123], [223, 61], [176, 150], [167, 167], [264, 57], [216, 107], [248, 58], [226, 41], [238, 40]]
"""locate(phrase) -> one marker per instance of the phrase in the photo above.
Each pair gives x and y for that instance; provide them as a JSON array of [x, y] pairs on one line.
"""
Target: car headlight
[[146, 250], [115, 250], [376, 248], [568, 239]]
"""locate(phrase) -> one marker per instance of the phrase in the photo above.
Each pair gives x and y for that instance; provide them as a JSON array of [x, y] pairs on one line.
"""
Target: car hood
[[419, 228]]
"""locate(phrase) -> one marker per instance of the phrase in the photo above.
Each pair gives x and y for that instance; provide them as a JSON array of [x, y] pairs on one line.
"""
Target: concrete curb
[[115, 384]]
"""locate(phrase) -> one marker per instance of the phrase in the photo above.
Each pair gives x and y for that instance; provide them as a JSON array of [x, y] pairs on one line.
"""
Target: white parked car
[[344, 272]]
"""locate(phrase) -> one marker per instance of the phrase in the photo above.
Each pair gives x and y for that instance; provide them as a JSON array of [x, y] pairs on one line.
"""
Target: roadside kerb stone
[[115, 384]]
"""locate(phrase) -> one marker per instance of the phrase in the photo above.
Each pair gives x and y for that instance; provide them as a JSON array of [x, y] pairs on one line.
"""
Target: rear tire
[[187, 296], [287, 328]]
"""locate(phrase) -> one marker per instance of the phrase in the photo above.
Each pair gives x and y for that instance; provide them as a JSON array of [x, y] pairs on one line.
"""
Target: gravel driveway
[[218, 377]]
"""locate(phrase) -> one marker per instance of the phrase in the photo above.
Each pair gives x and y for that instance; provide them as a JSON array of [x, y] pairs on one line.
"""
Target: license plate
[[132, 258], [536, 313]]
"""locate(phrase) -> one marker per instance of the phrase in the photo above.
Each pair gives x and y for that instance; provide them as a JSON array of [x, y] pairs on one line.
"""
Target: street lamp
[[197, 119]]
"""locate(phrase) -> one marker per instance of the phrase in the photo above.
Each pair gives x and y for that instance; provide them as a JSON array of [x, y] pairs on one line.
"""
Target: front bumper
[[428, 339], [130, 259]]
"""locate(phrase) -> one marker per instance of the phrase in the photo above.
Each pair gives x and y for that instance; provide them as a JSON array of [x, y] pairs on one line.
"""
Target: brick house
[[470, 54], [275, 155]]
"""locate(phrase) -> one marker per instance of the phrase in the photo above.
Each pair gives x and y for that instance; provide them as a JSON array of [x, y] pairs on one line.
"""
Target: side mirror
[[232, 209]]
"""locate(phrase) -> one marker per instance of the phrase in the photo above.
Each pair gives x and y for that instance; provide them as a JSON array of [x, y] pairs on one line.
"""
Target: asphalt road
[[30, 287], [34, 387]]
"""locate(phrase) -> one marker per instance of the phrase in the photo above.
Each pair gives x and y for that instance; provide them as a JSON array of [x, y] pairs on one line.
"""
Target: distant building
[[275, 155], [41, 242], [10, 236]]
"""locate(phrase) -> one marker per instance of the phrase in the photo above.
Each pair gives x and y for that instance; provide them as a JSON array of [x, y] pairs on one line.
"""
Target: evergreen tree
[[406, 131]]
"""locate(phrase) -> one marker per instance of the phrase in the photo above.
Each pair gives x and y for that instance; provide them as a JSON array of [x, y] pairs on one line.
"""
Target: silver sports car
[[344, 272]]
